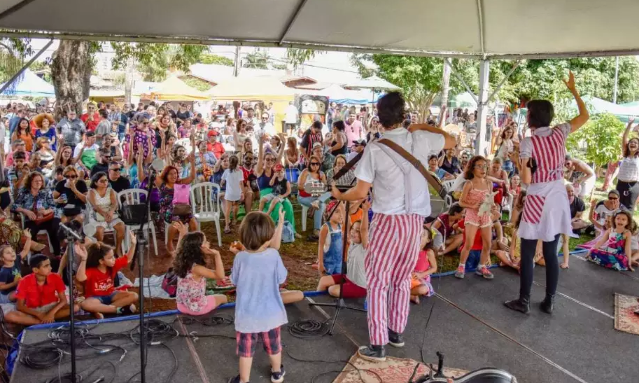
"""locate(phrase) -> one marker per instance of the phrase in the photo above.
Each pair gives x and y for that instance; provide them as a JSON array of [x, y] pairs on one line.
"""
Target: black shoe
[[235, 380], [548, 304], [278, 377], [372, 353], [522, 304], [395, 339]]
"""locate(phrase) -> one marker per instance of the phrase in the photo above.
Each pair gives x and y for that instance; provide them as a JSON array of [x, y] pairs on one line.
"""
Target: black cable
[[347, 362], [173, 370], [308, 329], [214, 320]]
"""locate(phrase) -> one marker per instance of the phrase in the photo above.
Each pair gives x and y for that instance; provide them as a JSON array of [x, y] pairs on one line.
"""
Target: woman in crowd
[[449, 162], [104, 212], [345, 180], [37, 205], [112, 144], [47, 156], [229, 127], [218, 171], [628, 176], [310, 176], [338, 141], [546, 212], [64, 156], [240, 135], [12, 235], [505, 146], [581, 175], [374, 130], [70, 191], [46, 128], [204, 163], [179, 160], [165, 183], [601, 211], [142, 136], [23, 132], [264, 172], [499, 177]]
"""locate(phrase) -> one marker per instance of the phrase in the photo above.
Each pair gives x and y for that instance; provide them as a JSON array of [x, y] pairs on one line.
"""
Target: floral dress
[[191, 293], [612, 256], [140, 138], [166, 206], [472, 215]]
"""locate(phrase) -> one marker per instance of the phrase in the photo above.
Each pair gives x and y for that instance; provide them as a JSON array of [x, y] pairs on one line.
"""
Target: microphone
[[70, 231]]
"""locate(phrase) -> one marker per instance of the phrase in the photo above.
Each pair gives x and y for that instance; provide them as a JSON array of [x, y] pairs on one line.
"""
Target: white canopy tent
[[484, 28]]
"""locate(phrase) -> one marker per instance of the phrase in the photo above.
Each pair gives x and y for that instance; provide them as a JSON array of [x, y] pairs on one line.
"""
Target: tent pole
[[292, 20], [503, 81], [27, 65], [454, 71], [483, 146]]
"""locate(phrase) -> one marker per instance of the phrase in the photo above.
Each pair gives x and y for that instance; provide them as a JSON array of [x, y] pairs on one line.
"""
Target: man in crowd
[[91, 118], [16, 146], [116, 180], [290, 118], [265, 127], [311, 136], [85, 153], [103, 164], [214, 145], [19, 171], [104, 126], [326, 158], [72, 128], [358, 147], [353, 129]]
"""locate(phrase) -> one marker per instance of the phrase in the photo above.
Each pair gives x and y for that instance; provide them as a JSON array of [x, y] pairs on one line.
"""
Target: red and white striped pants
[[392, 253]]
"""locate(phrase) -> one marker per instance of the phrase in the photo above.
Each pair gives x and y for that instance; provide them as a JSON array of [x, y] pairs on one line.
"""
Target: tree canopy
[[154, 60], [599, 141], [207, 58]]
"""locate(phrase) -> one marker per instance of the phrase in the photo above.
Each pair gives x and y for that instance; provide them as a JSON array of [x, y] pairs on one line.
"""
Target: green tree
[[297, 57], [599, 141], [208, 58], [257, 59], [196, 83], [154, 60], [13, 53]]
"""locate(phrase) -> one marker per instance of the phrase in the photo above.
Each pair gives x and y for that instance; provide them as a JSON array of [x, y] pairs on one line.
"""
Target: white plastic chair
[[448, 184], [35, 235], [87, 221], [134, 196], [205, 207]]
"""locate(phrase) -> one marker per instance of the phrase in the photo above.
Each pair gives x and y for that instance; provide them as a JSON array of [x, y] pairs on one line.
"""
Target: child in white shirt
[[233, 178]]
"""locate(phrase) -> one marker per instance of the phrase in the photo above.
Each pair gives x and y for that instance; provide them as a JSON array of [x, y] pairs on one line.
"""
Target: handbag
[[181, 206], [432, 181], [169, 283]]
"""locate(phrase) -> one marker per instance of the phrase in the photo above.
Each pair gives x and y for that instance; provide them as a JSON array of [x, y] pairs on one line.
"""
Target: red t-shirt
[[477, 245], [217, 148], [40, 295], [101, 284], [91, 125]]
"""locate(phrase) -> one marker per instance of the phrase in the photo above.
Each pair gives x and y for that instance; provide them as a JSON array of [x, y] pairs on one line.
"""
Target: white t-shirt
[[603, 212], [233, 189], [378, 168], [78, 148], [291, 114], [356, 271]]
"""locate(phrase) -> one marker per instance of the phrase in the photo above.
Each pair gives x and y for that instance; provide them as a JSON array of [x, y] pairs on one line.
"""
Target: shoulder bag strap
[[432, 181]]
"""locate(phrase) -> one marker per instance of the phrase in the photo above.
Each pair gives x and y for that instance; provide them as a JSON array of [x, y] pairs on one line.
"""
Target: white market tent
[[480, 28]]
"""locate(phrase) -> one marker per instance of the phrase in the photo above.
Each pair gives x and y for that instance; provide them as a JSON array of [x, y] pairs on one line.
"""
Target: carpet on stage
[[393, 370], [625, 318]]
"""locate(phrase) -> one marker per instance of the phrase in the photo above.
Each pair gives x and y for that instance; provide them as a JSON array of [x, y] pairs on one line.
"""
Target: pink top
[[353, 132], [548, 148], [422, 261], [191, 293]]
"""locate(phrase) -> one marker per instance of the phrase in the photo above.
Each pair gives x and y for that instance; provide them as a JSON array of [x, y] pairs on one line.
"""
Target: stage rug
[[393, 370], [625, 318]]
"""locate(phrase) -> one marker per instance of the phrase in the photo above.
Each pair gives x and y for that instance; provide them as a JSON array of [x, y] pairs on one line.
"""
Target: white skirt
[[546, 212]]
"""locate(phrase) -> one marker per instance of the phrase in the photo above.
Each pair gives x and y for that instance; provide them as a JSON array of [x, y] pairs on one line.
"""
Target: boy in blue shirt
[[259, 311]]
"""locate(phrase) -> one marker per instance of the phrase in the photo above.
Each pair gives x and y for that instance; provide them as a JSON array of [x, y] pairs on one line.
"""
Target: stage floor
[[469, 324]]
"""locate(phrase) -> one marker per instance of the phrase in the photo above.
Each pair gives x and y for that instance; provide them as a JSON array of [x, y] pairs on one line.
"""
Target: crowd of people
[[77, 170]]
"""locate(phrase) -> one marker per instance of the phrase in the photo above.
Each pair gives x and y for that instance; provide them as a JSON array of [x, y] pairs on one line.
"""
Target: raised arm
[[583, 116], [260, 158], [193, 171], [626, 132], [282, 148], [450, 140]]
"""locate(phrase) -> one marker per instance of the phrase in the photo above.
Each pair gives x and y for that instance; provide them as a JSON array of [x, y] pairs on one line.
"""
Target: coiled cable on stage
[[308, 328], [210, 321], [41, 358], [157, 331]]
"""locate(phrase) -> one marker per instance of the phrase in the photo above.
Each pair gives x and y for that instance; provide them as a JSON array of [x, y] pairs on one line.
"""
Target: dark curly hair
[[339, 125], [189, 253], [468, 172], [165, 173], [540, 113], [29, 180], [96, 252], [96, 177], [391, 109], [626, 149], [632, 225]]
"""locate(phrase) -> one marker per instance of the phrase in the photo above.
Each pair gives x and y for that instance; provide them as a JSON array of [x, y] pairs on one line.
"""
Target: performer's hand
[[335, 192]]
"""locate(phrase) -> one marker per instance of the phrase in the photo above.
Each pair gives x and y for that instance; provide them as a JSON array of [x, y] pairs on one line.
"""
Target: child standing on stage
[[618, 250], [190, 267], [259, 311], [233, 179], [330, 247], [476, 189], [425, 266], [355, 278]]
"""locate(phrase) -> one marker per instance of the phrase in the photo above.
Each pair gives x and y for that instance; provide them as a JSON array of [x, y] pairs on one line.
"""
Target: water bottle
[[365, 304], [64, 198]]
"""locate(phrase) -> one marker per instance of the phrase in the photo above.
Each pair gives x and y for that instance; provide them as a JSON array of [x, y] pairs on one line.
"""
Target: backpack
[[288, 234], [169, 283]]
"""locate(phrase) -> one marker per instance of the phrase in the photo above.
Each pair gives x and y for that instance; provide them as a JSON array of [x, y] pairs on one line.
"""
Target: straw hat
[[38, 119]]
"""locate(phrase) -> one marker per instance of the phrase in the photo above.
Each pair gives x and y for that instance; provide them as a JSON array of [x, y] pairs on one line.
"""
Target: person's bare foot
[[414, 299], [98, 315]]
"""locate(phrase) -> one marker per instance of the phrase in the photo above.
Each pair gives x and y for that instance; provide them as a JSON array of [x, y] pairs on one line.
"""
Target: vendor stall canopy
[[478, 28]]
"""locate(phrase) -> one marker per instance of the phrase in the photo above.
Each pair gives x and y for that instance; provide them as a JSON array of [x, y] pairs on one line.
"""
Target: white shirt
[[291, 114], [78, 148], [268, 128], [233, 179], [356, 272], [629, 169], [378, 168]]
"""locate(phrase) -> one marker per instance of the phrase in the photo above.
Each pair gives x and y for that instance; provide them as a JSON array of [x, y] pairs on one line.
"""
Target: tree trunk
[[71, 74], [445, 86], [128, 79]]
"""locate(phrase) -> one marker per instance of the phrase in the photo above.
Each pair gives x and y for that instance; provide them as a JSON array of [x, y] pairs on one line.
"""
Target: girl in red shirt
[[98, 268]]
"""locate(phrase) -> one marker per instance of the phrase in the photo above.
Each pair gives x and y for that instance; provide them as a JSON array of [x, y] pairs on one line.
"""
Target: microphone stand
[[71, 238]]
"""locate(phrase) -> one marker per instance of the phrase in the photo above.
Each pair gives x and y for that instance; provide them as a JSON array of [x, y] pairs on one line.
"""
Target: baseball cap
[[278, 167], [361, 142], [212, 133], [317, 145], [615, 192]]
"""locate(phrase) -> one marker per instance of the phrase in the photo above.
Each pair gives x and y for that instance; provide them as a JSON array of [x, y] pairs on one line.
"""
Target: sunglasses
[[613, 198], [270, 160], [314, 164], [71, 177], [116, 170]]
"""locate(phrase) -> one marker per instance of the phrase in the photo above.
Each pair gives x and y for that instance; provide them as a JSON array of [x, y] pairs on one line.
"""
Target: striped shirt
[[548, 148]]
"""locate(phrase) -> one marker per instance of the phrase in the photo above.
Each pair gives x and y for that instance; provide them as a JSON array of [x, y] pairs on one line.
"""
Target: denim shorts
[[105, 299]]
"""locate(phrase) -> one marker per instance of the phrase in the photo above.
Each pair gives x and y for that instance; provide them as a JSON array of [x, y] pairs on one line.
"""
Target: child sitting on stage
[[446, 239], [425, 266], [98, 269], [10, 273], [40, 296], [617, 252], [190, 267], [259, 311], [355, 278], [330, 247]]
